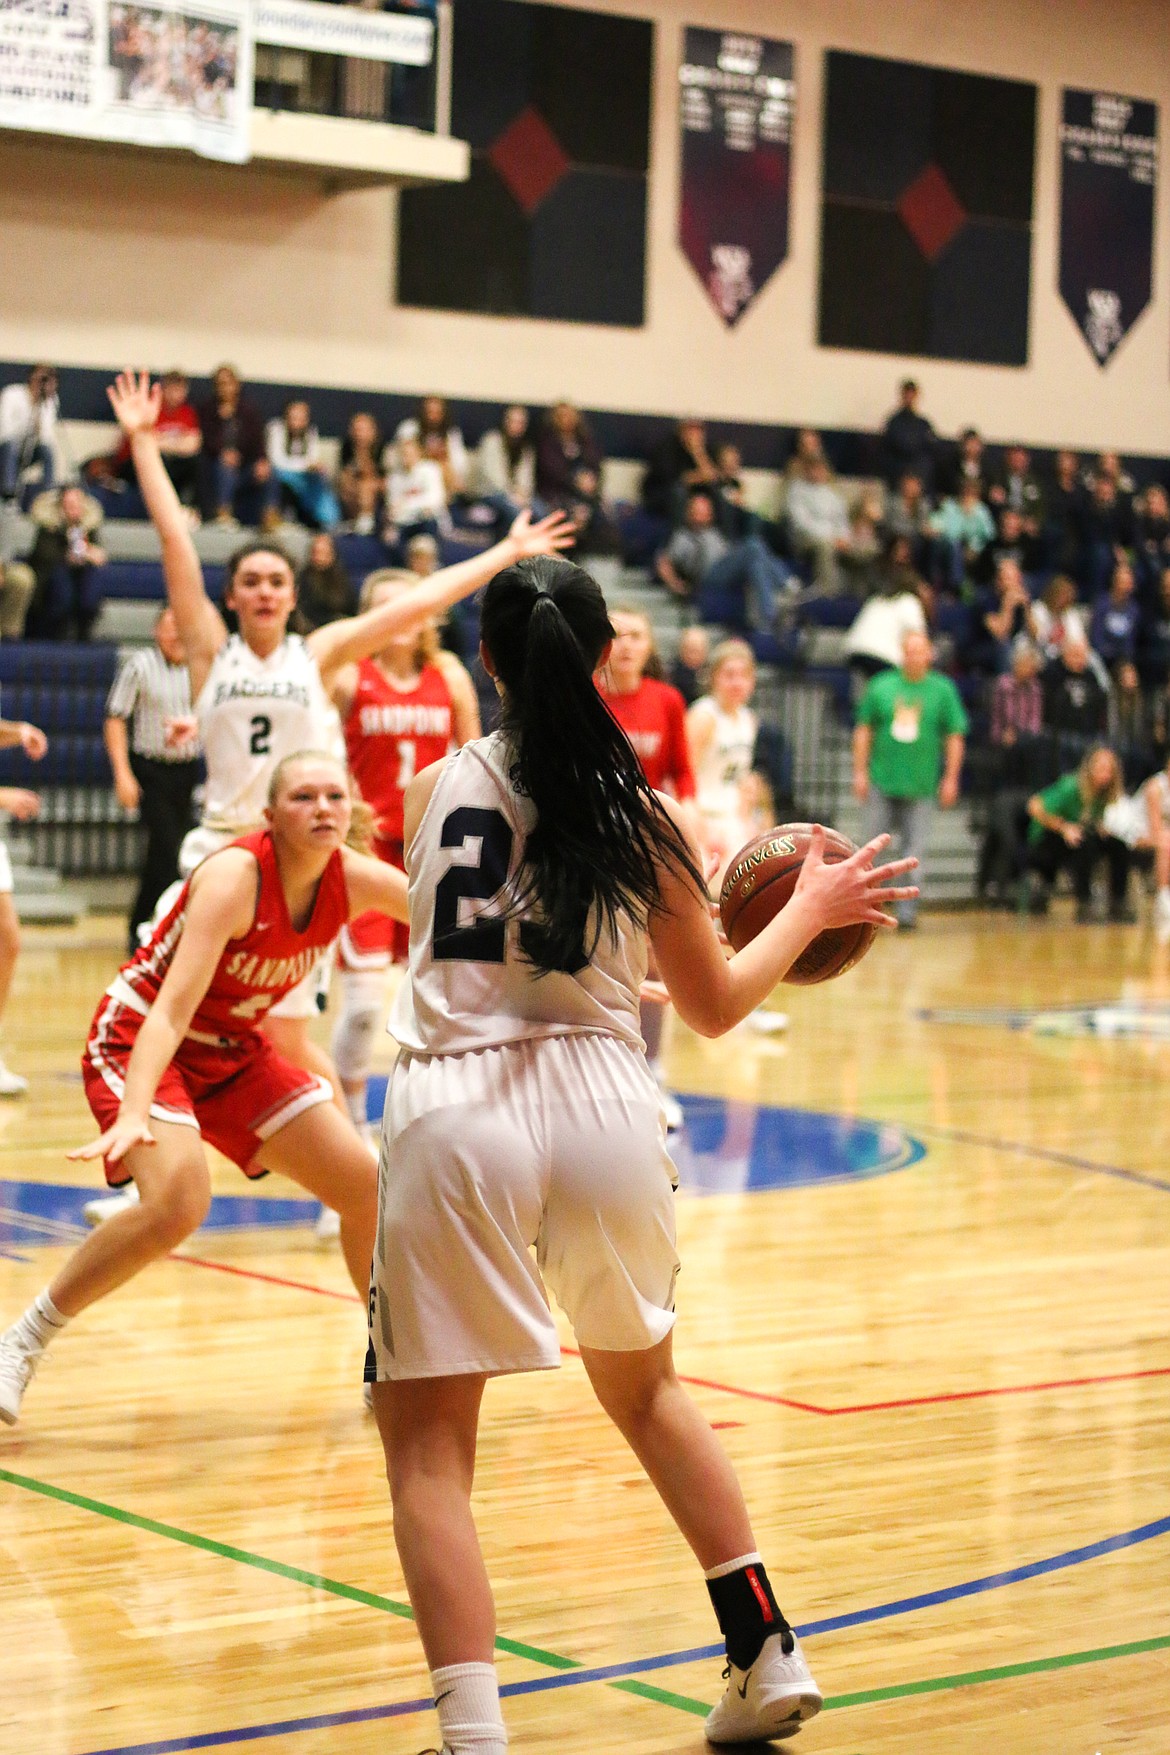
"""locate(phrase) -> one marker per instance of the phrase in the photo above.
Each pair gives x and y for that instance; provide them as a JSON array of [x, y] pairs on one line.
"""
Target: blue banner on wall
[[736, 103], [1109, 162]]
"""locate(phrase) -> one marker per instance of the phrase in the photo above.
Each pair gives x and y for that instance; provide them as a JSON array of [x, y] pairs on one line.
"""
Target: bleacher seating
[[62, 688]]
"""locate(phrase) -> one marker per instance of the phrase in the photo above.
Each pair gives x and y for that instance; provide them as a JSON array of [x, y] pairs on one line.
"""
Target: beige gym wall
[[169, 259]]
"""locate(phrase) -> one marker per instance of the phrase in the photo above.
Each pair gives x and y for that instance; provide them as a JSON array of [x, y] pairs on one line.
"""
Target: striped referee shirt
[[148, 691]]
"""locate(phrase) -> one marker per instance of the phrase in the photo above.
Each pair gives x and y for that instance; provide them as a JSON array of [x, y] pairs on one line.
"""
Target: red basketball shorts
[[235, 1094]]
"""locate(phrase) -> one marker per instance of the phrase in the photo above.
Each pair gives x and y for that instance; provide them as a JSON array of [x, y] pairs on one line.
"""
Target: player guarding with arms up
[[176, 1055], [521, 1113]]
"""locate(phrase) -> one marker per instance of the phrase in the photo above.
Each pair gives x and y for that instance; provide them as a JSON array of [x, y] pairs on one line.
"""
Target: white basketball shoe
[[11, 1084], [770, 1700], [17, 1365]]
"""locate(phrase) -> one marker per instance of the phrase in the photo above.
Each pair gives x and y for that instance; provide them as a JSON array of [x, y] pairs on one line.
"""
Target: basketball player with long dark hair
[[521, 1113]]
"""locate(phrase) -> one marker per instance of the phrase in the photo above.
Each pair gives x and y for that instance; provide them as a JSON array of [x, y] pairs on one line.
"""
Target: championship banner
[[344, 30], [736, 106], [158, 74], [1109, 161]]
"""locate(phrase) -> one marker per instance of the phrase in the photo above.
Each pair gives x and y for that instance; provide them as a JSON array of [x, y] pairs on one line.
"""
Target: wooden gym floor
[[938, 1350]]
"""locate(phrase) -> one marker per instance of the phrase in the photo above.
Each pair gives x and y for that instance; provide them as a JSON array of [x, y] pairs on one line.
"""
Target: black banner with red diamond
[[1108, 172], [555, 105], [736, 103], [926, 223]]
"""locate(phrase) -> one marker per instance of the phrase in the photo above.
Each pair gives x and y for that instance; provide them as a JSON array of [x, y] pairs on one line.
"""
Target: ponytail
[[601, 834]]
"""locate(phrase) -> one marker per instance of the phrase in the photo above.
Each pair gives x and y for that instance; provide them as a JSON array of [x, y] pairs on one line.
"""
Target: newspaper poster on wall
[[1108, 175], [736, 102], [155, 74]]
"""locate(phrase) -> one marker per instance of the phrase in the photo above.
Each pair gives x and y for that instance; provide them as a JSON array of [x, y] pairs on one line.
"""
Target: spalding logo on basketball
[[761, 879]]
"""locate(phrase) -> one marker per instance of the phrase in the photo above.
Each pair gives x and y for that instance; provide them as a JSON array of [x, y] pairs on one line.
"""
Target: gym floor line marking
[[571, 1673], [644, 1691], [962, 1136], [937, 1398]]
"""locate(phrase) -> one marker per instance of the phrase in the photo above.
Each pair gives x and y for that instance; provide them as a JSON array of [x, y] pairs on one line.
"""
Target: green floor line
[[297, 1574], [646, 1691], [553, 1660], [1002, 1673], [933, 1684]]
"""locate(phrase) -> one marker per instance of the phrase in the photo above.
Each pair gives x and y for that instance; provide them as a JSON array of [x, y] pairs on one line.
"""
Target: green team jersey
[[910, 723], [1063, 799]]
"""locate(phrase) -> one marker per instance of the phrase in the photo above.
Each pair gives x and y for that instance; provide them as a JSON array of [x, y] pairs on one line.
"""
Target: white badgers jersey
[[252, 713], [470, 984]]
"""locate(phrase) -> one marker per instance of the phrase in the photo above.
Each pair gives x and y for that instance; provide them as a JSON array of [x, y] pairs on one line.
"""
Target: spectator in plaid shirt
[[1017, 699], [1017, 725]]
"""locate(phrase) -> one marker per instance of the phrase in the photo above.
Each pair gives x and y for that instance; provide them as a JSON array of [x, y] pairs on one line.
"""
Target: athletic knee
[[175, 1209], [633, 1402], [357, 1028]]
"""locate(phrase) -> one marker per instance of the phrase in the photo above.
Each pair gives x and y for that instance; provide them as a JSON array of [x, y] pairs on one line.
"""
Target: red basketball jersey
[[391, 735], [653, 717], [254, 971]]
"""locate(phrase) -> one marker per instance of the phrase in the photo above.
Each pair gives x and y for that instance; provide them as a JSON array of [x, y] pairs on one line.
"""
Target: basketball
[[761, 879]]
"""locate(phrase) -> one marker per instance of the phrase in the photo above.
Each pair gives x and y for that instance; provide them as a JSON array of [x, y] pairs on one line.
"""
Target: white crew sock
[[40, 1322], [468, 1699], [730, 1566]]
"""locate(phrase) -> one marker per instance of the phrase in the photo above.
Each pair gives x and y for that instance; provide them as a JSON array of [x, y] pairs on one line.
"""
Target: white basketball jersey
[[252, 713], [470, 985], [728, 759]]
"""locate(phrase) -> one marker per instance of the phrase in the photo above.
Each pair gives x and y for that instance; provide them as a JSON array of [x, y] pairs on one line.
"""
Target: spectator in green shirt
[[1067, 829], [907, 752]]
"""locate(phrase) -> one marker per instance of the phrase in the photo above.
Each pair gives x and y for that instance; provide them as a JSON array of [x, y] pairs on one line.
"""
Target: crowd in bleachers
[[1045, 585]]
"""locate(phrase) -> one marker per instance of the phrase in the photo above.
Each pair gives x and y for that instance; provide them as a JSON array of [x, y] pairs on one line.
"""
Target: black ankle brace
[[747, 1613]]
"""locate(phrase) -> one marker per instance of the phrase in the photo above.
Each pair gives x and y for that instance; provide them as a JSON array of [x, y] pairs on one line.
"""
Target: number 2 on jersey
[[480, 941], [260, 742]]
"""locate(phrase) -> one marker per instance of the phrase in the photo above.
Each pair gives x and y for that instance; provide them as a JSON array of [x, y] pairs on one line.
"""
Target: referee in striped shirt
[[155, 772]]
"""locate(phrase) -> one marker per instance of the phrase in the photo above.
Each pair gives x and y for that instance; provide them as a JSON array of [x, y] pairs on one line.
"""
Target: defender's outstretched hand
[[136, 402], [116, 1141], [545, 538]]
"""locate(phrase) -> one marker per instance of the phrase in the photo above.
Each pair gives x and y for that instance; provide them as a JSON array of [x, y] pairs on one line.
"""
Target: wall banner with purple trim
[[736, 105], [1108, 174]]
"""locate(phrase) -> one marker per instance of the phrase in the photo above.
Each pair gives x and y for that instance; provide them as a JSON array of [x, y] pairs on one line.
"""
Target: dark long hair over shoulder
[[601, 834]]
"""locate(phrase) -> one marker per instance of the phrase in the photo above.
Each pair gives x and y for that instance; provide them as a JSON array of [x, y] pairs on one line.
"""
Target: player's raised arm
[[360, 636], [711, 992], [136, 404], [220, 906]]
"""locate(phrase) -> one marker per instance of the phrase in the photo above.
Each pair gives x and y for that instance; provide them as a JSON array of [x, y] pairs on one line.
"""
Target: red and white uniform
[[226, 1081], [653, 717], [391, 734]]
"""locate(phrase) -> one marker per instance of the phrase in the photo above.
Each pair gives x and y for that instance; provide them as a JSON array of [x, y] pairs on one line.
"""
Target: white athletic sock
[[468, 1699], [730, 1566], [40, 1322]]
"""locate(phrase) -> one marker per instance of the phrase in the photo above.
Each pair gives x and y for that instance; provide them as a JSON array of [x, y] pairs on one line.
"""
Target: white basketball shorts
[[555, 1144], [7, 883]]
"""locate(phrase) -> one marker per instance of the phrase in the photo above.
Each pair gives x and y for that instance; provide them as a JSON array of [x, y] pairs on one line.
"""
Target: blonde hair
[[361, 822], [1116, 786], [426, 645], [725, 652]]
